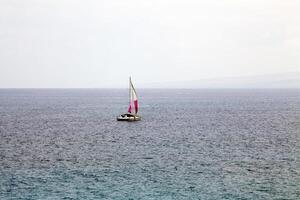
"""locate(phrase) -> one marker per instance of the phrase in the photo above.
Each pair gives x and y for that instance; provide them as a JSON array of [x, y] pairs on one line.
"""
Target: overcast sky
[[72, 43]]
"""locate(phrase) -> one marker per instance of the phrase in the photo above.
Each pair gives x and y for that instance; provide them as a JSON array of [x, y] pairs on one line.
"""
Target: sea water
[[190, 144]]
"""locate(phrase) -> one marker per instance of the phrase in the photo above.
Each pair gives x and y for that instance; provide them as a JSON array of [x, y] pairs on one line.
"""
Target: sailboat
[[133, 108]]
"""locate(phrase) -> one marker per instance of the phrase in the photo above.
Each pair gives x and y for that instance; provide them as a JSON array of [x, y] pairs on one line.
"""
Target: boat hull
[[129, 118]]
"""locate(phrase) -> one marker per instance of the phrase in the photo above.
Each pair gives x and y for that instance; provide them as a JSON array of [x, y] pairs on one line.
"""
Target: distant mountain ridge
[[284, 80]]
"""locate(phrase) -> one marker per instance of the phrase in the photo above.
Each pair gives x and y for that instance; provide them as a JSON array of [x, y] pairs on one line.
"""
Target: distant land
[[284, 80]]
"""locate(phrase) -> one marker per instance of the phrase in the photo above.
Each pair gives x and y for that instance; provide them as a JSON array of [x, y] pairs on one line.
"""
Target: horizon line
[[107, 88]]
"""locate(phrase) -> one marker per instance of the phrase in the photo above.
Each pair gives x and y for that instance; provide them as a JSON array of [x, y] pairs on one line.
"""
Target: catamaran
[[133, 105]]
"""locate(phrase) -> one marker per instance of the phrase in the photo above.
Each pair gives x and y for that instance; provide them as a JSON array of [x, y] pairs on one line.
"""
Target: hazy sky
[[72, 43]]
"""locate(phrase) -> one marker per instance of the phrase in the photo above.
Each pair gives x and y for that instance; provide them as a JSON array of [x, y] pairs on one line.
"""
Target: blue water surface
[[190, 144]]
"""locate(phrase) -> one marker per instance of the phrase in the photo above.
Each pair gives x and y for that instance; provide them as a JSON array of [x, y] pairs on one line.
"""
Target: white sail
[[133, 101]]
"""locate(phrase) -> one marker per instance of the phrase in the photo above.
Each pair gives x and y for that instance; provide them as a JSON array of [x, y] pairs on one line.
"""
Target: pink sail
[[129, 108], [133, 102]]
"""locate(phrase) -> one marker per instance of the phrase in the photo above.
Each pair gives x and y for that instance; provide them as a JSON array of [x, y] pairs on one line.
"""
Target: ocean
[[190, 144]]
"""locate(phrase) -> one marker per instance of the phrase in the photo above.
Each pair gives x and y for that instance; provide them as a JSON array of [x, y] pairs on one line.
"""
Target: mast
[[130, 98], [129, 90]]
